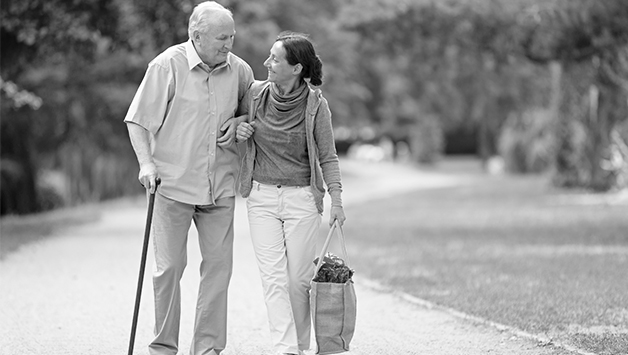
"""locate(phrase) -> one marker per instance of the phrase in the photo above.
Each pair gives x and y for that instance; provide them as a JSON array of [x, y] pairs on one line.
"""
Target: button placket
[[211, 144]]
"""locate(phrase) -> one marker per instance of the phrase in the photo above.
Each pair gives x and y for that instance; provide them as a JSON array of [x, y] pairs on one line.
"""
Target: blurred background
[[489, 138], [527, 86]]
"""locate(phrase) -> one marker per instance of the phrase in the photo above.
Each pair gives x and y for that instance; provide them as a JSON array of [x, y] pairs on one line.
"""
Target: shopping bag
[[333, 306]]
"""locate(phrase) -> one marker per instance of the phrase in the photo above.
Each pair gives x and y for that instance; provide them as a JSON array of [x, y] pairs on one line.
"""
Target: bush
[[427, 140], [526, 142]]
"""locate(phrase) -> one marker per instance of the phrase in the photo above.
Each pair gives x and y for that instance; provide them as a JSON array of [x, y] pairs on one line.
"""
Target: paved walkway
[[73, 293]]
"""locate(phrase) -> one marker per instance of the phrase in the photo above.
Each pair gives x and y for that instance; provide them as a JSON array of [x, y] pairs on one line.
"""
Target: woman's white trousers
[[284, 225]]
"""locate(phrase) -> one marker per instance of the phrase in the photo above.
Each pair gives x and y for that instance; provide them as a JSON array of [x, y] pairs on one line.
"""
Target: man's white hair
[[204, 15]]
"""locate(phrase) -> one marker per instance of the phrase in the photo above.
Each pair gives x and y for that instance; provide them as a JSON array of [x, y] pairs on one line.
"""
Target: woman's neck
[[285, 89]]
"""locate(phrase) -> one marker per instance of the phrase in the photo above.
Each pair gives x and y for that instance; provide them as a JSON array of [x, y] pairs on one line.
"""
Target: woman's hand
[[245, 131], [337, 213]]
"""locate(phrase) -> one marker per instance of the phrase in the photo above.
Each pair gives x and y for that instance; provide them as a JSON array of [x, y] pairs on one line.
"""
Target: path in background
[[74, 293]]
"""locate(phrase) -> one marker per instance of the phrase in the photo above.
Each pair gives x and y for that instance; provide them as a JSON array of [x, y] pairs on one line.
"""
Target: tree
[[449, 60], [82, 60], [36, 35], [590, 41], [500, 67]]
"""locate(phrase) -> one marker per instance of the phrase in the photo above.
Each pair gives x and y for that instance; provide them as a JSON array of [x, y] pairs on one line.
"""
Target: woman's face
[[279, 70]]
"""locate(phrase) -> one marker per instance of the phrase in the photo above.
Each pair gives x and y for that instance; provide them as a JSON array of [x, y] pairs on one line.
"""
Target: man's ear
[[196, 36]]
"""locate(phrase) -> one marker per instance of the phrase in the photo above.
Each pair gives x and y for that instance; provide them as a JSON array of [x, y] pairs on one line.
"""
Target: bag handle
[[341, 236]]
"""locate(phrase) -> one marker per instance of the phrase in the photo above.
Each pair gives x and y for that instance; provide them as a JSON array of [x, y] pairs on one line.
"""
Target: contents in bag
[[333, 270]]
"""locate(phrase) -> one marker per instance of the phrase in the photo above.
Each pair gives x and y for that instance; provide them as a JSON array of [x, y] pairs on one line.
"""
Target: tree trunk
[[568, 101], [575, 81], [597, 145], [589, 110], [18, 170]]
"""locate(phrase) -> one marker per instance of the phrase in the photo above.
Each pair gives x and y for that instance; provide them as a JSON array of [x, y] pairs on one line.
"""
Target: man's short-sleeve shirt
[[183, 105]]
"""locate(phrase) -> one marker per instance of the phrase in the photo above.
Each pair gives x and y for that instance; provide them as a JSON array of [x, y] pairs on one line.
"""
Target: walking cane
[[138, 294]]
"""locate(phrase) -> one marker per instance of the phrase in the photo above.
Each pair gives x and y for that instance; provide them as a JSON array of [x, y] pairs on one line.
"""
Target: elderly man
[[182, 127]]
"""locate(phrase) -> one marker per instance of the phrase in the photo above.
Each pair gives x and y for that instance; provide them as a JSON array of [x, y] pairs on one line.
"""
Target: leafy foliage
[[333, 270], [413, 69], [573, 30], [526, 142], [590, 40], [449, 59], [475, 63]]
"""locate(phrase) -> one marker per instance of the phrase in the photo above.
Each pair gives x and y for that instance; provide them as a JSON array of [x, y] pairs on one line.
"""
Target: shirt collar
[[194, 59]]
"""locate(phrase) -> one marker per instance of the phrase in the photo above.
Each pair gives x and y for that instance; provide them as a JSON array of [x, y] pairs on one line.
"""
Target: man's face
[[279, 70], [214, 45]]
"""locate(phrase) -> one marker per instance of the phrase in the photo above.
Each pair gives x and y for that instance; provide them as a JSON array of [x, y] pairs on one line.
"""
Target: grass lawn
[[512, 250]]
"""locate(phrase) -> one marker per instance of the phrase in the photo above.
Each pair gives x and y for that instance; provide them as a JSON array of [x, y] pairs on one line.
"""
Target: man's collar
[[194, 59]]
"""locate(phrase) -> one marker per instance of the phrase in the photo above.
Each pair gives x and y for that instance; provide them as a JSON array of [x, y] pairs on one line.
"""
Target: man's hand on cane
[[148, 176]]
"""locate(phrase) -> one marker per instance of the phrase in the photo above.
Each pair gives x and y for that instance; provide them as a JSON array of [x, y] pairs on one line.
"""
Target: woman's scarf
[[287, 107]]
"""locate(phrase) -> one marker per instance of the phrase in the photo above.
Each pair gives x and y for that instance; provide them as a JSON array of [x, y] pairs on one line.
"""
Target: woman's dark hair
[[300, 50]]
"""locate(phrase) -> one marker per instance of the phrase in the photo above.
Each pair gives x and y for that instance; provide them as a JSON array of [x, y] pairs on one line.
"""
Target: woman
[[290, 153]]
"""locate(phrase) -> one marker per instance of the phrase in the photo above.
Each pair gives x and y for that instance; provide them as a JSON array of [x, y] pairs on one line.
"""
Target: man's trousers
[[171, 223]]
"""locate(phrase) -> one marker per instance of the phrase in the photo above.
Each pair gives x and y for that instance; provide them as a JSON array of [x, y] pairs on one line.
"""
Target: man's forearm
[[140, 143]]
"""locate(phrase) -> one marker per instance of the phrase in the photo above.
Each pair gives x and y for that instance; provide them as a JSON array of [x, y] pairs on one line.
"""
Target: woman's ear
[[297, 69]]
